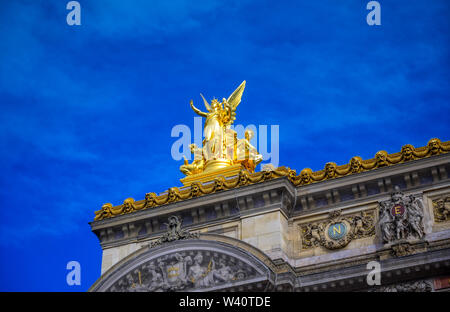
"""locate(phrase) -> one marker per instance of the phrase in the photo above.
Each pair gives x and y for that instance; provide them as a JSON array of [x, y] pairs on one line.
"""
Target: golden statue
[[221, 149]]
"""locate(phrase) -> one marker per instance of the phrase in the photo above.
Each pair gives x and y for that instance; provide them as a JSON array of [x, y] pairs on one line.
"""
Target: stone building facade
[[275, 230]]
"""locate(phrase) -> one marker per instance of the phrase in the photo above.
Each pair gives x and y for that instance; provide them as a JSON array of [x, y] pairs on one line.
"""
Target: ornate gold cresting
[[306, 176], [381, 159]]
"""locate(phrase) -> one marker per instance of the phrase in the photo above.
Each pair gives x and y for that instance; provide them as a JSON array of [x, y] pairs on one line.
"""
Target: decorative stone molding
[[402, 249], [416, 286], [174, 233], [401, 217], [441, 209], [338, 231]]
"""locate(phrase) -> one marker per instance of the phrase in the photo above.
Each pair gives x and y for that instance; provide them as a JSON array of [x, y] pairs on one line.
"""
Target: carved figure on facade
[[128, 205], [402, 249], [401, 217], [174, 232], [104, 213], [156, 281], [356, 164], [224, 273], [441, 209], [305, 176], [197, 164], [175, 271], [247, 154], [363, 225], [199, 274]]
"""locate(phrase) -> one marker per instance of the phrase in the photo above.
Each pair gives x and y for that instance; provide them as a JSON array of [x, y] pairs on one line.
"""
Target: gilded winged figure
[[219, 116]]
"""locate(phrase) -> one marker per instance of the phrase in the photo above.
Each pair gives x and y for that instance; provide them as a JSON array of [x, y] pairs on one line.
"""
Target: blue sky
[[87, 111]]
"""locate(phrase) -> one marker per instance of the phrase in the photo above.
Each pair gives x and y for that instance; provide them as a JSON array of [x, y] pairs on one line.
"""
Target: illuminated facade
[[230, 228]]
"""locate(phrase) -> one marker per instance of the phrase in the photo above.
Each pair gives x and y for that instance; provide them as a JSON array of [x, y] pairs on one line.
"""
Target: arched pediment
[[212, 262]]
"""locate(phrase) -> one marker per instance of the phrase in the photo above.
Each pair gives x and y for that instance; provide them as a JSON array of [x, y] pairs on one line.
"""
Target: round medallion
[[398, 210], [337, 231]]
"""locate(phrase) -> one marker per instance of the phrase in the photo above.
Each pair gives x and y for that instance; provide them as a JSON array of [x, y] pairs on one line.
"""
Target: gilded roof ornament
[[222, 153]]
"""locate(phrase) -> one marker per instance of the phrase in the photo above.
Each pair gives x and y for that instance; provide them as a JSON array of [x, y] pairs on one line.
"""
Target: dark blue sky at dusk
[[87, 111]]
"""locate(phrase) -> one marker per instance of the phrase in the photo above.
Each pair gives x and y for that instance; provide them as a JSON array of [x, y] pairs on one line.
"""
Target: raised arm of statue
[[197, 111], [226, 113]]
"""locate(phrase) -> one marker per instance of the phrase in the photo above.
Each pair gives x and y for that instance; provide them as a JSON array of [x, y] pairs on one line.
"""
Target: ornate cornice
[[306, 176]]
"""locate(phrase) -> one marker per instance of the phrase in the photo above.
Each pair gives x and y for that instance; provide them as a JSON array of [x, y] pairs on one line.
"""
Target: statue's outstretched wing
[[206, 103], [234, 100]]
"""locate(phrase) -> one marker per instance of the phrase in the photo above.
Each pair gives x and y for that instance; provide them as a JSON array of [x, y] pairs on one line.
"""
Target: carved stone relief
[[174, 232], [441, 209], [401, 217], [338, 230], [182, 271], [402, 249]]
